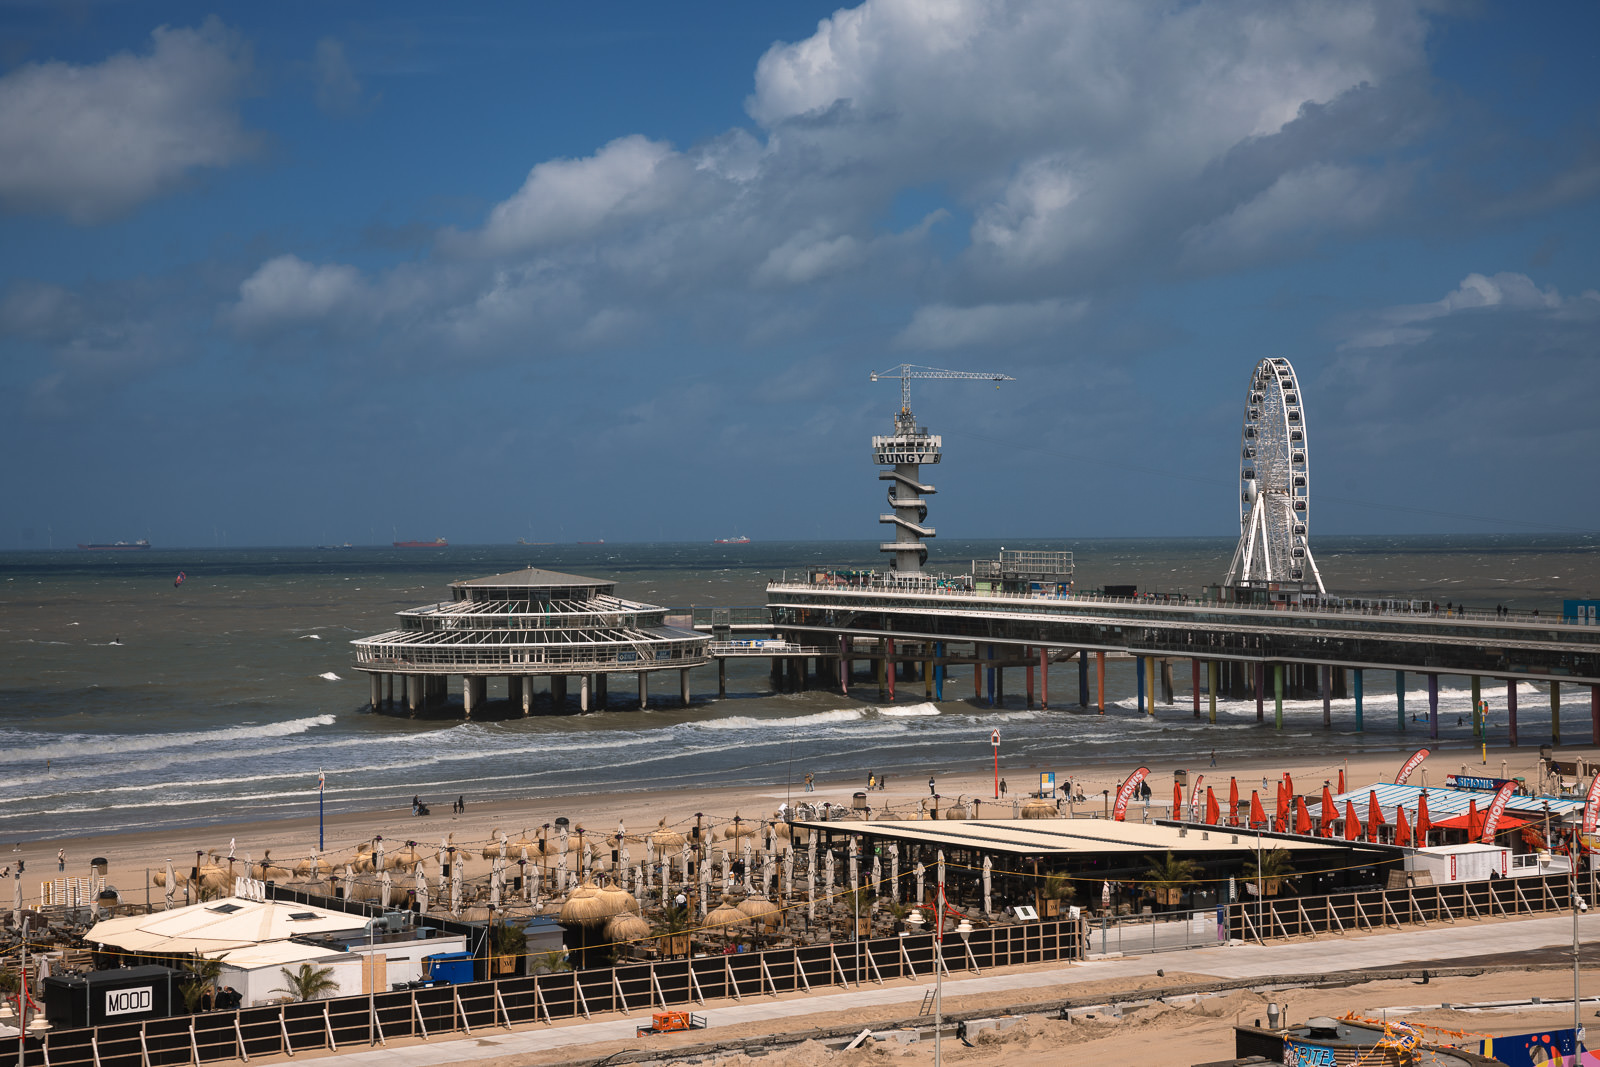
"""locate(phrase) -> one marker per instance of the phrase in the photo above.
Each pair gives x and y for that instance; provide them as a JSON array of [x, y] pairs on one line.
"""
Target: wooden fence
[[507, 1002]]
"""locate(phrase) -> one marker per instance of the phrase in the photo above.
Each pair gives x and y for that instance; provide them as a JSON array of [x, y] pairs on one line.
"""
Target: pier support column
[[1044, 678], [683, 686], [1357, 680], [844, 666], [1261, 691], [1029, 683], [377, 690], [927, 672], [644, 690], [1100, 680], [1194, 683], [514, 689], [938, 670], [1138, 684], [888, 658], [469, 695], [1477, 719], [989, 655], [1433, 706], [583, 692], [1400, 698], [722, 677], [1277, 695], [600, 690], [1153, 672], [412, 684], [1083, 678], [1327, 696], [1214, 670], [1555, 712], [1594, 714], [883, 670], [527, 696], [1511, 711], [558, 692]]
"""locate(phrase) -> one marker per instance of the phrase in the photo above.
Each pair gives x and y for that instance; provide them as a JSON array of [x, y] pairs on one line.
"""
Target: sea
[[129, 702]]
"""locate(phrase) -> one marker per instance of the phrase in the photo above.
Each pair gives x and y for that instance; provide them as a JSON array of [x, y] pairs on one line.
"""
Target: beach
[[132, 855]]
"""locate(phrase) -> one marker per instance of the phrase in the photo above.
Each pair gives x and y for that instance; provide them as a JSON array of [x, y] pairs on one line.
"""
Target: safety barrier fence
[[433, 1011], [1421, 905]]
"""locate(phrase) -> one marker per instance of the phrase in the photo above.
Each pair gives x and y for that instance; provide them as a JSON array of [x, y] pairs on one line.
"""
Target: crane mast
[[906, 450]]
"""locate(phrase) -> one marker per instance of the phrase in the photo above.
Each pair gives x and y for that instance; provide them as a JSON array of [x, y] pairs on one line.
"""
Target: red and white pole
[[994, 739]]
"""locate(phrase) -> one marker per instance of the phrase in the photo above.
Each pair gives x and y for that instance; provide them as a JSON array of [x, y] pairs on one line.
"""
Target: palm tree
[[204, 974], [308, 982], [510, 943], [1171, 877], [550, 963], [676, 925], [1276, 868], [1055, 888]]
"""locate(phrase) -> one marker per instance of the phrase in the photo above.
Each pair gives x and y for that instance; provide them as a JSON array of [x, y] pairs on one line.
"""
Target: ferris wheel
[[1274, 485]]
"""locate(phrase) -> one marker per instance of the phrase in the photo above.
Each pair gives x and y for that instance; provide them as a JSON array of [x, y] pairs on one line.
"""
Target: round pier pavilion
[[520, 626]]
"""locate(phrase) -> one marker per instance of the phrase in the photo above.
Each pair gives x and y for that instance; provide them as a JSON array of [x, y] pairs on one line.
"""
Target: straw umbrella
[[665, 841], [761, 911], [406, 858], [266, 870], [313, 867], [626, 927], [725, 915], [1038, 808], [617, 900], [738, 828]]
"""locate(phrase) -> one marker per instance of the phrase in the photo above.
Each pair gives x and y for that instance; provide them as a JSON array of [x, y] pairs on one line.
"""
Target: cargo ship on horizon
[[118, 546], [437, 542], [740, 540]]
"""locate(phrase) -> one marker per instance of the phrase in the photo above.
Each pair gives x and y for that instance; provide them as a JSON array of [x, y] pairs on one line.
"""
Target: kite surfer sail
[[179, 580]]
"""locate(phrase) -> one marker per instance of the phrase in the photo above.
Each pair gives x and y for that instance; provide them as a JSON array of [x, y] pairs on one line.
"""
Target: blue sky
[[305, 273]]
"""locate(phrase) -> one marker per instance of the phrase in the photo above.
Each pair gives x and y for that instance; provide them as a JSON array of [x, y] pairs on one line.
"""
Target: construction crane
[[907, 371]]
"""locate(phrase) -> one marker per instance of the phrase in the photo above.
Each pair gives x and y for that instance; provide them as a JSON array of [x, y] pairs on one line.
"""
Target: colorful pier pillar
[[1152, 673], [1214, 670], [1327, 696], [927, 675], [1433, 706], [1261, 692], [1555, 711], [1511, 711], [1357, 674], [1100, 680], [938, 670], [1277, 695], [844, 664], [1029, 683], [1138, 679], [1194, 671], [1083, 678], [1400, 697], [1044, 678]]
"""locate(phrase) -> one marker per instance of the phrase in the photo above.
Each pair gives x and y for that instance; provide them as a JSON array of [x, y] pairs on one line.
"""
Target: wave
[[746, 722], [109, 744], [915, 711]]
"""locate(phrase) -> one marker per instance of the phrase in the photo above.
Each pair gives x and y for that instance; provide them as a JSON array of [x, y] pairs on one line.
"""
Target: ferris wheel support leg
[[1433, 706], [1356, 679], [1511, 711]]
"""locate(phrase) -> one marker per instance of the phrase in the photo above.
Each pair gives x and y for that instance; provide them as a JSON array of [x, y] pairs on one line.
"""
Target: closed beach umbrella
[[422, 890], [1402, 828], [988, 875], [705, 887], [1177, 803], [877, 874], [1341, 780], [1280, 814], [894, 873], [749, 863], [788, 872], [455, 888], [377, 853], [169, 887], [1258, 814], [1233, 802], [1330, 811], [1213, 810], [1352, 825], [1424, 823], [769, 874], [811, 886], [349, 880], [1302, 817], [1474, 821], [922, 872], [855, 865], [496, 879], [1374, 815], [387, 887], [827, 875]]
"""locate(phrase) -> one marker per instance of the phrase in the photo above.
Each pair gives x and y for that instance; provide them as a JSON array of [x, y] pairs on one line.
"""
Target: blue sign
[[1468, 781], [1297, 1055], [1586, 612]]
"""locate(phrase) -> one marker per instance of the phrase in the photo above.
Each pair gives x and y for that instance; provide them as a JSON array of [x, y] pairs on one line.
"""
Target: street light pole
[[1578, 905]]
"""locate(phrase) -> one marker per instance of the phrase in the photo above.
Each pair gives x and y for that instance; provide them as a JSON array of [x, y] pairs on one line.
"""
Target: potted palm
[[1170, 877], [1055, 888], [510, 943], [1276, 869], [307, 982], [677, 925], [202, 981]]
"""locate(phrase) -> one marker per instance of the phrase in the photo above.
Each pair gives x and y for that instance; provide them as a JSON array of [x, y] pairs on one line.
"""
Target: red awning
[[1507, 822]]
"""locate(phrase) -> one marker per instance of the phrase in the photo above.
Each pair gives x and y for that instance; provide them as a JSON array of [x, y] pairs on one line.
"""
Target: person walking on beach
[[1002, 787], [1213, 757], [872, 780], [810, 783], [883, 780], [416, 799], [931, 790], [61, 859]]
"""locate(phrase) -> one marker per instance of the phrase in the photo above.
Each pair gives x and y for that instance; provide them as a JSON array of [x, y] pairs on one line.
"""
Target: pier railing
[[345, 1023]]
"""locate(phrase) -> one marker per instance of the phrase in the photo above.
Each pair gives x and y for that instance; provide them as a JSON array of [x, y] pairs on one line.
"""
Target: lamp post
[[1578, 905], [938, 974]]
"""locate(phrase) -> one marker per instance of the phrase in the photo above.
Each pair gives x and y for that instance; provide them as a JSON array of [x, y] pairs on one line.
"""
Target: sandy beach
[[131, 855]]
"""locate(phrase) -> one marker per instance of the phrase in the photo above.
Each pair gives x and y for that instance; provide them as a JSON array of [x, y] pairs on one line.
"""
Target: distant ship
[[120, 546], [437, 542], [740, 540], [523, 541], [599, 542]]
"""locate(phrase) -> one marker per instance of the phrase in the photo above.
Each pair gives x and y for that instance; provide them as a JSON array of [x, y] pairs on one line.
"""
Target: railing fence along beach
[[424, 1013]]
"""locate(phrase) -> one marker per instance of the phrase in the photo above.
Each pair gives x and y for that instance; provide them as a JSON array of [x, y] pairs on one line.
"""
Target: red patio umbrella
[[1352, 825], [1374, 815], [1177, 801], [1280, 816], [1288, 781], [1475, 821], [1213, 813], [1233, 802], [1258, 814], [1341, 781], [1424, 824], [1402, 828], [1330, 811], [1302, 817]]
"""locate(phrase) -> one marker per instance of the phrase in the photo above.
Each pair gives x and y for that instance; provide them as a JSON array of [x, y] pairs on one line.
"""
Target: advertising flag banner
[[1591, 806], [1194, 798], [1410, 765], [1491, 821], [1125, 794]]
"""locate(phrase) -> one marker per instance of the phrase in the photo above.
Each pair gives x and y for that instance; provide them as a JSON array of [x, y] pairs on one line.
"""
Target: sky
[[308, 273]]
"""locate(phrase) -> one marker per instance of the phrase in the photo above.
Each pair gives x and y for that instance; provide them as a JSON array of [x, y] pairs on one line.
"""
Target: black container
[[120, 995]]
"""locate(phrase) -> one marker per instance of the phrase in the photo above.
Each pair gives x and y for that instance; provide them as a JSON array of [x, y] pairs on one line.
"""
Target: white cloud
[[1507, 291], [90, 142], [287, 291], [564, 199], [338, 90], [940, 326], [806, 257]]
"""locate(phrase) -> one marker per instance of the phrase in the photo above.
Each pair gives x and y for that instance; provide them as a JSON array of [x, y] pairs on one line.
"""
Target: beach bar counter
[[520, 626]]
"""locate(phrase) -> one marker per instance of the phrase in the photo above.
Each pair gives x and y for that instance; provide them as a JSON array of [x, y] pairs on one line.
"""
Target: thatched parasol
[[618, 901], [665, 841], [313, 867], [725, 914], [583, 907], [406, 858], [738, 828], [215, 878], [1039, 808], [761, 911], [497, 845], [266, 870], [626, 927], [956, 811]]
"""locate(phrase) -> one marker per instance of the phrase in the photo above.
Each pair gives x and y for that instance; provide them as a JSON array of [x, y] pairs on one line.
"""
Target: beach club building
[[522, 626]]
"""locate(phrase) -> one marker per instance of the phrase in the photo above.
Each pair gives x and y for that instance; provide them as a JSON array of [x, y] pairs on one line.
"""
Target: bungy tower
[[906, 451]]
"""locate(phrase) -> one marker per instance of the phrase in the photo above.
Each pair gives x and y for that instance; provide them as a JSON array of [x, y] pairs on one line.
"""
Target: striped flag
[[322, 780]]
